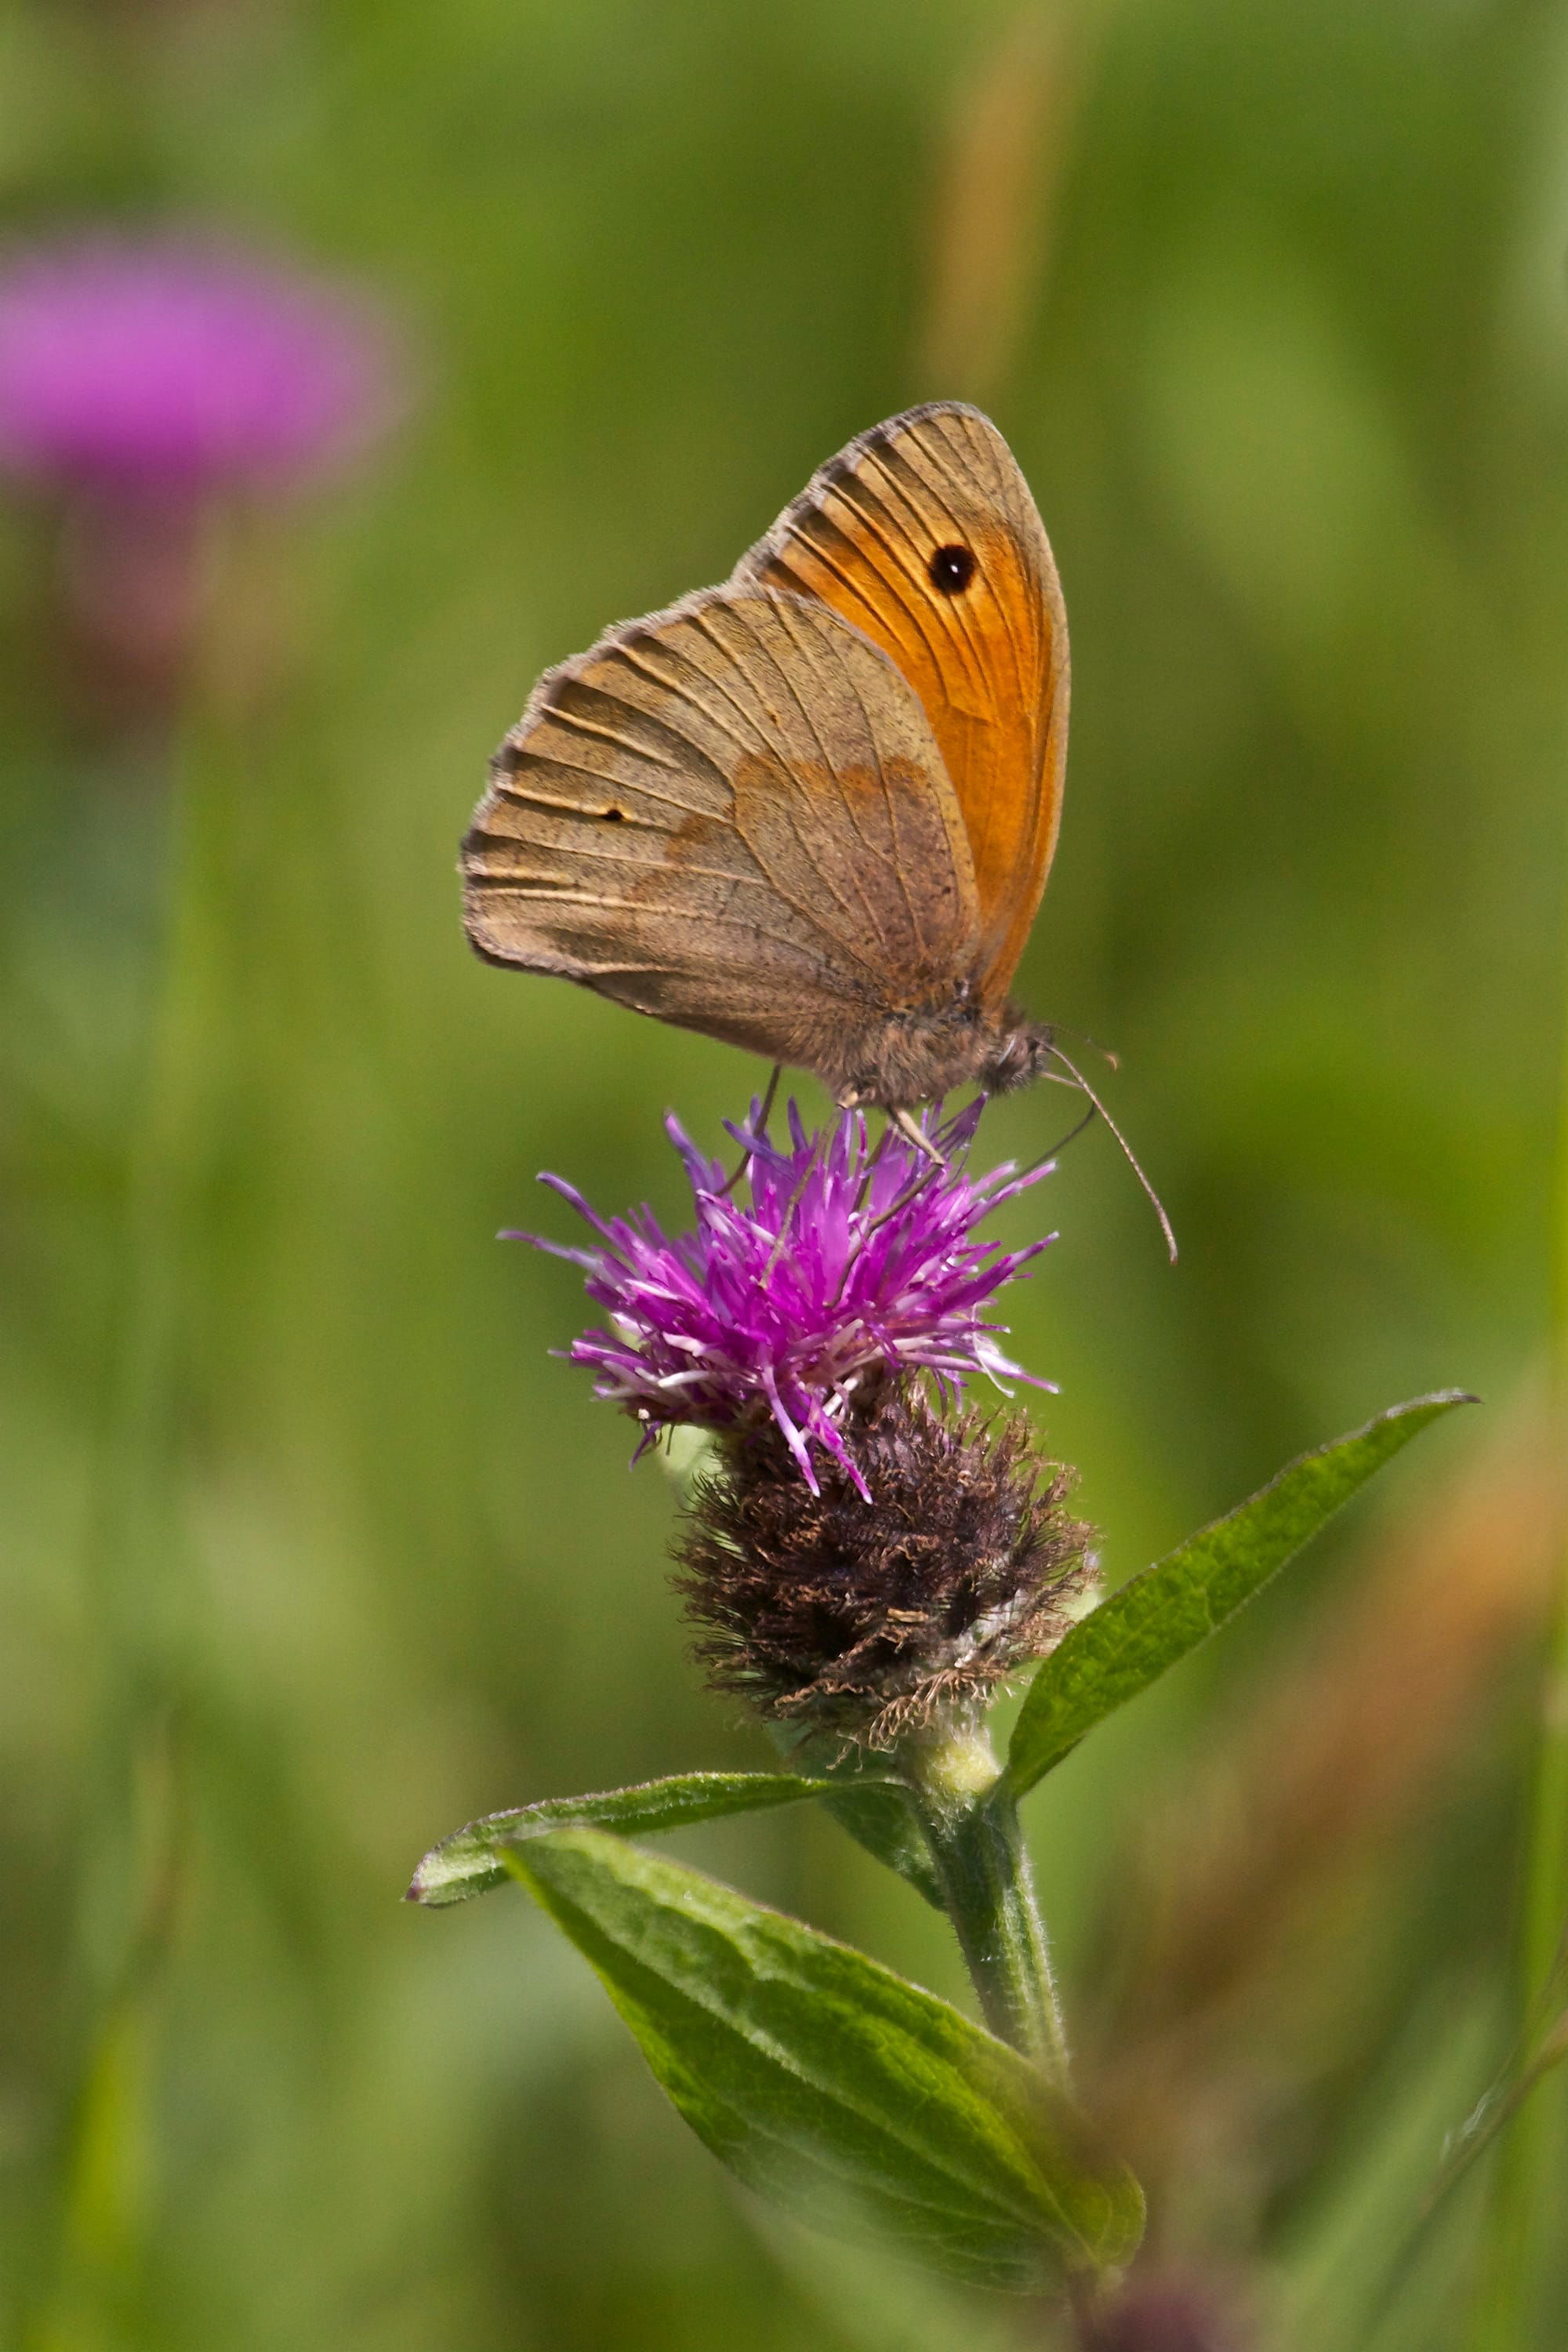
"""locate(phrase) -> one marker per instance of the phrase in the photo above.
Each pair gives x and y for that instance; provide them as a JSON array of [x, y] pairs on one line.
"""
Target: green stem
[[1494, 2112], [977, 1845], [135, 1566], [1515, 2243], [1515, 2240]]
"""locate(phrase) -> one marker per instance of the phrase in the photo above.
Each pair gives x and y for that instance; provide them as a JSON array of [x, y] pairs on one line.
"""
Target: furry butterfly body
[[810, 812]]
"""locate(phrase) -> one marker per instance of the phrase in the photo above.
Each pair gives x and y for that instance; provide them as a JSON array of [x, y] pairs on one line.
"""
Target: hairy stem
[[977, 1845]]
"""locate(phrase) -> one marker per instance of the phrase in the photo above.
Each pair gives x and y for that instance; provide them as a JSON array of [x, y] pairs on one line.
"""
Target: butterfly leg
[[786, 1222], [770, 1096], [909, 1128], [760, 1128]]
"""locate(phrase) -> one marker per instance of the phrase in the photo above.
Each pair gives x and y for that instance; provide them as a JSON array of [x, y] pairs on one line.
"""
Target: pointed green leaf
[[470, 1860], [880, 1816], [877, 1811], [829, 2084], [1126, 1643]]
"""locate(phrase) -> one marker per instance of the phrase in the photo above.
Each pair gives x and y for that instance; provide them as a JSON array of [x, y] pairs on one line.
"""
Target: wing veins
[[958, 628], [686, 696], [898, 589], [998, 485], [666, 910], [605, 734], [853, 813], [883, 780], [785, 622], [645, 869], [505, 786]]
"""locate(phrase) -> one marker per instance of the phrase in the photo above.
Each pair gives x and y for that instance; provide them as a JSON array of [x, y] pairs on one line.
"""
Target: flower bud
[[1166, 2312], [909, 1586]]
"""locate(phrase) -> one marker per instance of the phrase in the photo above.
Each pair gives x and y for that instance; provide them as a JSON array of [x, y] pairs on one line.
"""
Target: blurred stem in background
[[140, 1592], [1518, 2245], [1006, 144], [152, 390]]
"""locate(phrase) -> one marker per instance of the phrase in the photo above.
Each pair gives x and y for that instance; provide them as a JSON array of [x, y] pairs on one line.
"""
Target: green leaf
[[877, 1811], [1126, 1643], [829, 2084], [880, 1814], [470, 1860]]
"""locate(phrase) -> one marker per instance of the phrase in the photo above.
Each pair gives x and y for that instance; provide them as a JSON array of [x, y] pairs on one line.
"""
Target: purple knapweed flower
[[851, 1262], [175, 367]]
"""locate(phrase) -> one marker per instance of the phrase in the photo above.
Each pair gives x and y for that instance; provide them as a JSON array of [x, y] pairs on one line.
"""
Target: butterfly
[[811, 811]]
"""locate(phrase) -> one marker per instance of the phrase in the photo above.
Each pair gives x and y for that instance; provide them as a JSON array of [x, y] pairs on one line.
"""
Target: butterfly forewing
[[923, 535], [732, 814]]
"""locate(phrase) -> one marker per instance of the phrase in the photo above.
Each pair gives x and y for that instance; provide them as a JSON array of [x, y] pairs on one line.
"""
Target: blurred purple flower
[[175, 367], [849, 1263]]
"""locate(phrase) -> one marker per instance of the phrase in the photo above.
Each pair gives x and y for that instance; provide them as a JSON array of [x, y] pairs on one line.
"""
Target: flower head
[[862, 1619], [851, 1264], [178, 366]]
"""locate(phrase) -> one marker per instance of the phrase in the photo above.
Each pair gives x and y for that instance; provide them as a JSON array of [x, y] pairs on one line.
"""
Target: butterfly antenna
[[1128, 1153], [1111, 1059]]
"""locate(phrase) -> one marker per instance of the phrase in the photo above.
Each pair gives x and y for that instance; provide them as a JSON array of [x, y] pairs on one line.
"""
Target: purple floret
[[850, 1262], [173, 365]]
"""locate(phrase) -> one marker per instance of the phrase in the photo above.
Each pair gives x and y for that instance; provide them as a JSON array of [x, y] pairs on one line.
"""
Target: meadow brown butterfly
[[810, 812]]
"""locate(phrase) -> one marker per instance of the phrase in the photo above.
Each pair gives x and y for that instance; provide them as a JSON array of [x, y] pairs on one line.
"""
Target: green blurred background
[[1273, 305]]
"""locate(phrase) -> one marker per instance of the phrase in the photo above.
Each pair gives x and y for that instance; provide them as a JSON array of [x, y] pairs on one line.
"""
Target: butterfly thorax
[[918, 1056]]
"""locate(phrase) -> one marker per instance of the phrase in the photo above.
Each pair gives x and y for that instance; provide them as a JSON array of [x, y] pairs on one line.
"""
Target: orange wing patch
[[923, 535]]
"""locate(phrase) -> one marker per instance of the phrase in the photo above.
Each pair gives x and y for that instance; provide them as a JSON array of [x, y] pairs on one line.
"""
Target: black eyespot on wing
[[951, 569], [614, 816]]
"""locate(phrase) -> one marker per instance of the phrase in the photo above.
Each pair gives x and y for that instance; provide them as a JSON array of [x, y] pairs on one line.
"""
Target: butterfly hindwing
[[732, 814]]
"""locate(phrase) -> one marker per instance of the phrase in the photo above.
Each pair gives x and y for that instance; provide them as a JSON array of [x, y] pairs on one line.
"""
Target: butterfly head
[[1018, 1055]]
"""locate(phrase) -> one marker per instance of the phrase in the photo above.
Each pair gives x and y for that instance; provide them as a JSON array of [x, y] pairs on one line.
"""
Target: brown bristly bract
[[861, 1620]]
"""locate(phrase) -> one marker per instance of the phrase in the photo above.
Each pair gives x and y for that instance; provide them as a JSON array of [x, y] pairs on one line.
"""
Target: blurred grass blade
[[995, 189], [832, 2085], [1155, 1619], [470, 1860]]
